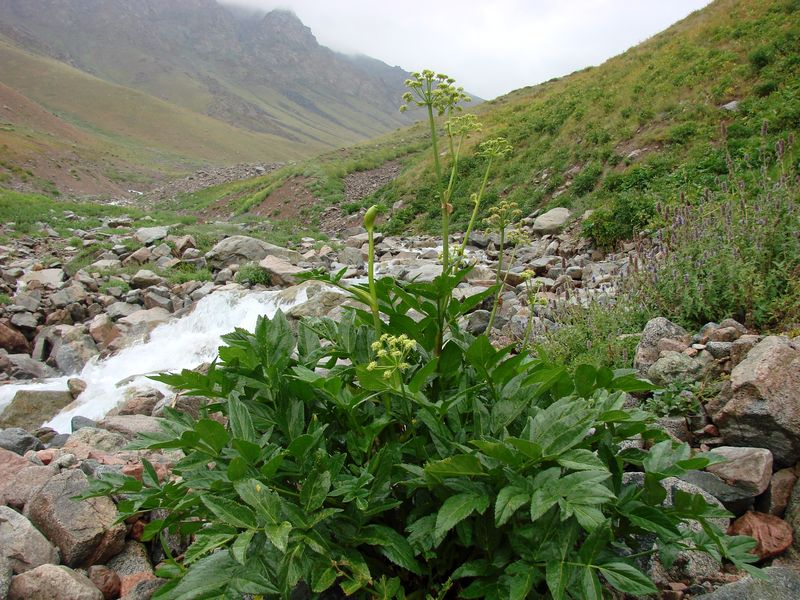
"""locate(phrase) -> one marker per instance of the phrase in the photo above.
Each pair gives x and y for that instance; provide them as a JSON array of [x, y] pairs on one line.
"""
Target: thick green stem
[[438, 170], [376, 316]]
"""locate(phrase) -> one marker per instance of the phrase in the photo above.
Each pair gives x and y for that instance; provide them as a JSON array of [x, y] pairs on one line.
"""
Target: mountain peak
[[285, 25]]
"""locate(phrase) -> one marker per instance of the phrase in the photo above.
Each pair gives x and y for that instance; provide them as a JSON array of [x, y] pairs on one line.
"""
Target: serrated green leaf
[[279, 534], [457, 508], [237, 468], [591, 589], [509, 499], [580, 459], [392, 545], [627, 579], [241, 545], [557, 574], [212, 433], [240, 421], [315, 489], [207, 540], [230, 512], [460, 465], [323, 579]]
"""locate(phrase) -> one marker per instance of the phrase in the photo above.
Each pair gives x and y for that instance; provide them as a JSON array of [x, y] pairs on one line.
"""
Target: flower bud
[[369, 218]]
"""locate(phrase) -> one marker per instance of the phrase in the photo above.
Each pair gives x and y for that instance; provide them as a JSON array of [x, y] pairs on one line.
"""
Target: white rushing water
[[182, 343]]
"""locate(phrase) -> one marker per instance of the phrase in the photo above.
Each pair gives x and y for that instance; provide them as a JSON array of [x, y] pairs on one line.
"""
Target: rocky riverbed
[[95, 335]]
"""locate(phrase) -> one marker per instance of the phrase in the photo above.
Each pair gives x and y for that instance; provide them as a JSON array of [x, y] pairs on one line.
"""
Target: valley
[[264, 335]]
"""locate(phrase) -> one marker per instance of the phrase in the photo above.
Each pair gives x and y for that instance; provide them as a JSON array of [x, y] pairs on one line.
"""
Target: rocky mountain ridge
[[249, 72]]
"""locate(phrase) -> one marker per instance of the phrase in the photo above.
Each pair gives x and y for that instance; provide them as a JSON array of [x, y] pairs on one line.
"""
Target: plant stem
[[376, 317], [475, 209]]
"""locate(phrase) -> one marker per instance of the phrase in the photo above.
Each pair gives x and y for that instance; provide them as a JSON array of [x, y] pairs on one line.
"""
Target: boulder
[[747, 468], [30, 408], [22, 366], [145, 278], [12, 340], [241, 249], [553, 221], [19, 440], [281, 272], [647, 352], [148, 235], [68, 295], [22, 544], [139, 257], [351, 256], [780, 583], [105, 580], [775, 500], [144, 321], [690, 564], [51, 278], [25, 321], [84, 531], [675, 367], [130, 425], [53, 582], [5, 576], [96, 438], [106, 264], [763, 408], [118, 310], [102, 328], [17, 490], [72, 356], [773, 535]]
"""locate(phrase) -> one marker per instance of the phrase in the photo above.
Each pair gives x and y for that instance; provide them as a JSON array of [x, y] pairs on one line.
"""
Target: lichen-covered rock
[[647, 352], [781, 583], [84, 531], [764, 405], [30, 408]]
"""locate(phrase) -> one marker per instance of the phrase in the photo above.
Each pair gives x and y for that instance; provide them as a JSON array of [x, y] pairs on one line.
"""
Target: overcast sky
[[490, 46]]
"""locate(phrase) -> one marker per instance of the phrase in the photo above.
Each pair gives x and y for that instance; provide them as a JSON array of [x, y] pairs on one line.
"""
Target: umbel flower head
[[390, 354], [436, 90], [494, 148]]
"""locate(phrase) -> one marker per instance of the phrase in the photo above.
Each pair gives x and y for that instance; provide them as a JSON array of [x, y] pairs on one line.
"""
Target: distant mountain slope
[[266, 74]]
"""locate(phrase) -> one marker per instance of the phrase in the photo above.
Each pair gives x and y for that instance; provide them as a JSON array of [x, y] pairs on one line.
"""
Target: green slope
[[643, 128], [143, 130]]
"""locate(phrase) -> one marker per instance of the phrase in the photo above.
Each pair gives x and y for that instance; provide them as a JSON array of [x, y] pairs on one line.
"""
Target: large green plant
[[399, 457]]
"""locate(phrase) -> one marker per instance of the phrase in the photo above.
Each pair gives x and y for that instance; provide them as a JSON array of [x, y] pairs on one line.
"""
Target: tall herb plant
[[404, 458]]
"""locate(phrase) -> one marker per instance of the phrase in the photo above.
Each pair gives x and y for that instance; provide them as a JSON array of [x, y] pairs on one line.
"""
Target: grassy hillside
[[643, 128], [56, 118]]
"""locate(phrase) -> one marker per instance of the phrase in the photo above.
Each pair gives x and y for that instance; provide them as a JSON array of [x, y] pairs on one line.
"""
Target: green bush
[[585, 181], [630, 212], [734, 255], [253, 274]]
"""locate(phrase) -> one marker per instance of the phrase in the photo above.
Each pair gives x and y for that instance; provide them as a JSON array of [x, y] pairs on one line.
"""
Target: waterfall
[[182, 343]]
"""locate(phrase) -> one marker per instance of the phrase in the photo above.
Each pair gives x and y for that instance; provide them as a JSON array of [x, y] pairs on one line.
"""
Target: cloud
[[491, 48]]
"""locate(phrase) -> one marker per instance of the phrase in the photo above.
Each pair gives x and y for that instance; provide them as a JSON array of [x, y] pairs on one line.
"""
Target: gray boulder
[[148, 235], [781, 583], [51, 278], [241, 249], [84, 531], [763, 406], [22, 366], [30, 408], [5, 576], [22, 544], [553, 221], [647, 351], [18, 440], [675, 367]]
